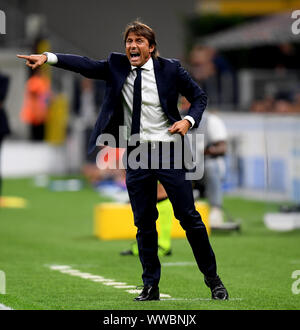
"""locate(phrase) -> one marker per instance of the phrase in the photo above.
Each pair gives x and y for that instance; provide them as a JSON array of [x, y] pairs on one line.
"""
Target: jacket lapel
[[160, 77], [123, 72]]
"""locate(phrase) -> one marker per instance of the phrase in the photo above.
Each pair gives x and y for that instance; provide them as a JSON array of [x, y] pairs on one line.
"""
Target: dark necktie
[[137, 102]]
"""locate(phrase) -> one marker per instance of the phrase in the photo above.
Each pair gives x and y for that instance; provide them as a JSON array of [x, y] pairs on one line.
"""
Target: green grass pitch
[[256, 264]]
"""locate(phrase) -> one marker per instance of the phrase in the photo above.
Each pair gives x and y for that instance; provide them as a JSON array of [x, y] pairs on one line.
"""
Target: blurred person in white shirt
[[214, 148]]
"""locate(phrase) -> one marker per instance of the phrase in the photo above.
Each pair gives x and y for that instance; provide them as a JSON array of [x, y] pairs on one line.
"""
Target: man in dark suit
[[141, 94]]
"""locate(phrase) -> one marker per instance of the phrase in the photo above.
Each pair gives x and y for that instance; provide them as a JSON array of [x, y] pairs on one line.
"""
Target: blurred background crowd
[[242, 53]]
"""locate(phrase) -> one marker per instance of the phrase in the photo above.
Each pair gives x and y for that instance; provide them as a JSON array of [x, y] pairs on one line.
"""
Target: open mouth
[[134, 55]]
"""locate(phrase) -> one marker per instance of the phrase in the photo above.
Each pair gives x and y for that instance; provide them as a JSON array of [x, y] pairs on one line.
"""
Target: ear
[[151, 49]]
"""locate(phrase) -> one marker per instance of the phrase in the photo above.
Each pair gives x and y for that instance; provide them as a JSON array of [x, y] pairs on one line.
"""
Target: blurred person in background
[[85, 105], [286, 58], [215, 135], [126, 102], [4, 125], [87, 109], [214, 74], [284, 99], [108, 167], [263, 105], [215, 148], [35, 106], [282, 102]]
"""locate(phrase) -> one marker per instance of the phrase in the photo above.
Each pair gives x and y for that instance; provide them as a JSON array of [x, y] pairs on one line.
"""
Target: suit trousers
[[141, 183]]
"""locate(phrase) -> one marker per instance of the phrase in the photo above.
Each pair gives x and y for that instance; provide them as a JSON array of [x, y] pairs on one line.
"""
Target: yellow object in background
[[57, 119], [13, 202], [114, 221], [246, 7]]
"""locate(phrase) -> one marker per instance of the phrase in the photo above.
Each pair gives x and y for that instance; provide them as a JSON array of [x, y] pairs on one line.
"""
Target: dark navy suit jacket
[[171, 80]]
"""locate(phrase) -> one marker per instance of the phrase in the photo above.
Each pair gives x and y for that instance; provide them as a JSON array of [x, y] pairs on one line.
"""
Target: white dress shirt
[[154, 122]]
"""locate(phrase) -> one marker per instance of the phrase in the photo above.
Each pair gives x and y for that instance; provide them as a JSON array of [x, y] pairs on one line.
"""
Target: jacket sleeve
[[85, 66], [194, 94]]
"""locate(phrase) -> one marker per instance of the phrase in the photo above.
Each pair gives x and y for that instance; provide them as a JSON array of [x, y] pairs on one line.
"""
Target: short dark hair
[[143, 30]]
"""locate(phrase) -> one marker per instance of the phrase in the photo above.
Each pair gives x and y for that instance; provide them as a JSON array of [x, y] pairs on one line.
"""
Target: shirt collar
[[147, 66]]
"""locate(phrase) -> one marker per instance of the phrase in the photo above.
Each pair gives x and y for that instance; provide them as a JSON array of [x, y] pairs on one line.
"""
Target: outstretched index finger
[[26, 57]]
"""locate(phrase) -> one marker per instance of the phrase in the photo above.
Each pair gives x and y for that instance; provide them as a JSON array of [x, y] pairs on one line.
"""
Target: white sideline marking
[[59, 267], [102, 280], [65, 269], [5, 308], [163, 295], [92, 277]]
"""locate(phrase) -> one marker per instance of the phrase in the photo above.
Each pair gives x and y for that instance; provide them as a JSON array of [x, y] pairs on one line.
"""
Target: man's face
[[138, 50]]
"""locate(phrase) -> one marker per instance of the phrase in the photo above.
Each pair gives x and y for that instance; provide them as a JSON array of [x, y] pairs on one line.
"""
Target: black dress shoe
[[218, 290], [148, 293]]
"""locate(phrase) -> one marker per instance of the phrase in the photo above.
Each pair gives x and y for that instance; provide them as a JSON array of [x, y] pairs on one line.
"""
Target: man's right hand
[[34, 61]]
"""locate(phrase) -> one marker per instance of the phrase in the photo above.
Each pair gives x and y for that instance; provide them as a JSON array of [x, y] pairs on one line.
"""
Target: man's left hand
[[181, 127]]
